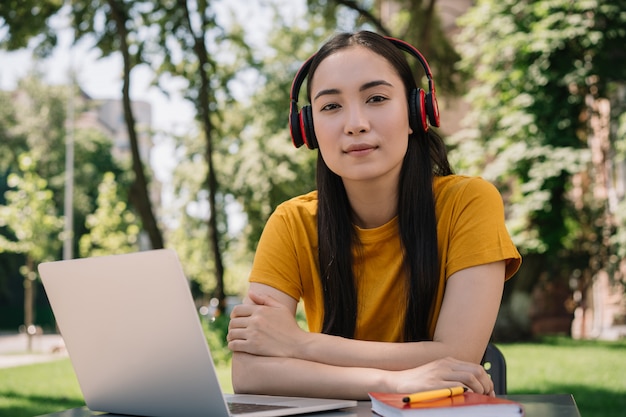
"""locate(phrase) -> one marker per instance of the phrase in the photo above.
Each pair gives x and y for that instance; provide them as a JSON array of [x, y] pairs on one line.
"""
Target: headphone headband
[[407, 47], [423, 108]]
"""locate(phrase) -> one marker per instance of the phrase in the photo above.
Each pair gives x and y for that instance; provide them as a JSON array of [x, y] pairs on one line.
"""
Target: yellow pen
[[434, 394]]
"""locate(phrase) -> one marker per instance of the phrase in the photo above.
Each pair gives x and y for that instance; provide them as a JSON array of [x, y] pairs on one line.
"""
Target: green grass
[[594, 372], [38, 389]]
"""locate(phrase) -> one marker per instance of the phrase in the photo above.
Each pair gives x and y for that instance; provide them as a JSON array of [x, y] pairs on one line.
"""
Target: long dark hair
[[425, 157]]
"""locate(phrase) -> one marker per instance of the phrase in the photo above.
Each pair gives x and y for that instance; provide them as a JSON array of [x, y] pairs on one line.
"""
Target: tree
[[112, 227], [116, 25], [540, 68], [264, 167], [30, 218], [187, 214], [23, 20], [30, 20], [415, 21], [34, 125], [201, 84], [189, 43], [121, 33], [37, 125]]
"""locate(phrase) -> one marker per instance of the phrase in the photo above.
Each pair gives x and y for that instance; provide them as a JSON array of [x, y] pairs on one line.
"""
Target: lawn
[[594, 372], [38, 389]]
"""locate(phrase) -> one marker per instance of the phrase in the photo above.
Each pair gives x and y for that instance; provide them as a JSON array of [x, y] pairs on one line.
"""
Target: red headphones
[[423, 109]]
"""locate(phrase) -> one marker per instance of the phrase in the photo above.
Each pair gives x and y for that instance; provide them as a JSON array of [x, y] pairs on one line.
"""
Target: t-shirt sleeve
[[275, 261], [477, 232], [286, 255]]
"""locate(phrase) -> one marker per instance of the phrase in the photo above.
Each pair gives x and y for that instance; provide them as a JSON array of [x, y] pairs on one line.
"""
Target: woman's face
[[360, 115]]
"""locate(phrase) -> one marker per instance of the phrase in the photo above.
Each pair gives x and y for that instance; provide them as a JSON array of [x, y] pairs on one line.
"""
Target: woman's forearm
[[339, 351], [253, 374]]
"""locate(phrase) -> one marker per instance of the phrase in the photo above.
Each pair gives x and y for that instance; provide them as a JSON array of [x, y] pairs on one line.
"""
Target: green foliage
[[38, 126], [97, 20], [33, 128], [415, 21], [216, 330], [11, 141], [93, 159], [30, 215], [35, 124], [263, 166], [112, 227], [541, 71], [418, 23], [532, 62], [24, 20], [32, 226], [189, 235], [189, 41]]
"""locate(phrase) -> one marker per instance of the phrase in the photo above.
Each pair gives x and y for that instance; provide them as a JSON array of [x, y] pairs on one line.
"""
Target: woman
[[400, 264]]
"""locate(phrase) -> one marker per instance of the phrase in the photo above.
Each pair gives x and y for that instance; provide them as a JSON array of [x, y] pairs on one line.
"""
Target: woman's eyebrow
[[366, 86], [375, 83], [326, 92]]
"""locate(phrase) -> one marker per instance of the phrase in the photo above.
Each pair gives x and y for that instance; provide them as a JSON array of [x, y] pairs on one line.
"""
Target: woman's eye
[[376, 99], [331, 106]]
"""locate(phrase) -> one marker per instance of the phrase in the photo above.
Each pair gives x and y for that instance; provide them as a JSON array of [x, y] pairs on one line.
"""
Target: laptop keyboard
[[241, 408]]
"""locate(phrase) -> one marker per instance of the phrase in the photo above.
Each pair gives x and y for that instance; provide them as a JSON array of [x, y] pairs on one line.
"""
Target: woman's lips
[[359, 148]]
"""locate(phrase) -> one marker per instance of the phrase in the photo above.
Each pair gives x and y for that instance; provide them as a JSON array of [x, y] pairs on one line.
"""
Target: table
[[556, 405]]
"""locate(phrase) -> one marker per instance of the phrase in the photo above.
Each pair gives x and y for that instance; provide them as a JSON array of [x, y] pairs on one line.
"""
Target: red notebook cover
[[468, 404]]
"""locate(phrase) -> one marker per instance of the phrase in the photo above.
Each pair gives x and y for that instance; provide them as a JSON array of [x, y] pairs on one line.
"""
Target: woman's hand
[[443, 373], [263, 326]]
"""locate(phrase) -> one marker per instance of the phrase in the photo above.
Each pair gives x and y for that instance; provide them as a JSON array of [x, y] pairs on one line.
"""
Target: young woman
[[400, 264]]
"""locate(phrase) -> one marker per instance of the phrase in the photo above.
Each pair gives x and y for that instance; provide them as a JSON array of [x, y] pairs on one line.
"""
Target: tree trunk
[[138, 195], [211, 180], [599, 143], [29, 303]]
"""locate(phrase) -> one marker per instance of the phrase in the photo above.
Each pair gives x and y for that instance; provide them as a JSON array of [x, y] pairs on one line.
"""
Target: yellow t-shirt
[[470, 230]]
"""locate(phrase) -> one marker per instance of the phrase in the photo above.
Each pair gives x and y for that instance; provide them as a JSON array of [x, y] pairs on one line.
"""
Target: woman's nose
[[356, 122]]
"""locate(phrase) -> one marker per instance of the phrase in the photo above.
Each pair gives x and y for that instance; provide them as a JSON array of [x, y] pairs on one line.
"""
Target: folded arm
[[295, 377], [264, 335]]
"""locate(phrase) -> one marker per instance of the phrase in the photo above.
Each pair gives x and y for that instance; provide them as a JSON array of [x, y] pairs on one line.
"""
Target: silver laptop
[[135, 340]]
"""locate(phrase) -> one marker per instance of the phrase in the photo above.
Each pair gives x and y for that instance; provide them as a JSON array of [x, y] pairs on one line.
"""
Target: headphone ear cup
[[295, 126], [307, 127], [432, 109], [417, 110]]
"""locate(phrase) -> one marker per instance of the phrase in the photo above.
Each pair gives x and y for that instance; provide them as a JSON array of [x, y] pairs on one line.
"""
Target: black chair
[[495, 365]]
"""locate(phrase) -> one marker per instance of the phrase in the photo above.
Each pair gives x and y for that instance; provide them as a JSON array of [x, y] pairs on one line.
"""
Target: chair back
[[495, 365]]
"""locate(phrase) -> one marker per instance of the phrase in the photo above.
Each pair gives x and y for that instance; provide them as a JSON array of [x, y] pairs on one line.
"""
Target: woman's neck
[[373, 205]]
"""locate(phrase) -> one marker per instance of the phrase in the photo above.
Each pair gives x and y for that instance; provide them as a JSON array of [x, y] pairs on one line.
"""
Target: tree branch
[[351, 4]]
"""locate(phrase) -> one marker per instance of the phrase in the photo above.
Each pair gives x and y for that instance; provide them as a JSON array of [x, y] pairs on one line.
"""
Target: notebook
[[136, 344], [468, 404]]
